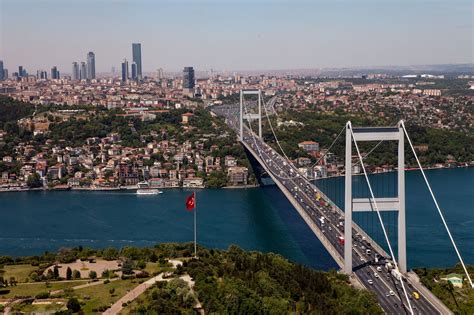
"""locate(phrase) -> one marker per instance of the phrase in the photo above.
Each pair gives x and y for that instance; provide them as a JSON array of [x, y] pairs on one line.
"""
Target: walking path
[[135, 292], [85, 285]]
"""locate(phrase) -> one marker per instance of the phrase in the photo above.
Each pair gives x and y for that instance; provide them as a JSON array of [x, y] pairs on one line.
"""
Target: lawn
[[32, 289], [99, 295], [39, 309], [20, 272], [155, 268]]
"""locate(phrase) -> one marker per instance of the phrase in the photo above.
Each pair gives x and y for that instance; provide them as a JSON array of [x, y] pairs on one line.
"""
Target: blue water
[[255, 219]]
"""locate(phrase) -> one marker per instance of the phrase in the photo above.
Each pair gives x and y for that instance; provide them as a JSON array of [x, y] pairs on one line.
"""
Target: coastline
[[125, 188]]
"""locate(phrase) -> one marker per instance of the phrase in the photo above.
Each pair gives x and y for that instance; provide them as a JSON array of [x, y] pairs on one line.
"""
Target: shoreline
[[127, 188], [411, 169]]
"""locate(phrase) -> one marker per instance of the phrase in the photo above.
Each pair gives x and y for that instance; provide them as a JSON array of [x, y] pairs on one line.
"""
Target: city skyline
[[262, 36]]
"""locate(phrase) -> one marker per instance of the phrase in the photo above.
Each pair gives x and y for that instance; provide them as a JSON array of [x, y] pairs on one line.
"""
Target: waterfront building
[[1, 71]]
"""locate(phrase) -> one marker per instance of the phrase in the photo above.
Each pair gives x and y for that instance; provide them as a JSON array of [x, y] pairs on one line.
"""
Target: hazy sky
[[235, 35]]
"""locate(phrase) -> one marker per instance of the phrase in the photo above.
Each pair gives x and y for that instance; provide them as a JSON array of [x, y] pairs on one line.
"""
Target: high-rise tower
[[137, 58], [75, 71], [83, 71], [90, 65], [125, 70]]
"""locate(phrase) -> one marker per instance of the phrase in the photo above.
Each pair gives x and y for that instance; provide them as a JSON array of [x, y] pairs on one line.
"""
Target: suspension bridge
[[367, 263]]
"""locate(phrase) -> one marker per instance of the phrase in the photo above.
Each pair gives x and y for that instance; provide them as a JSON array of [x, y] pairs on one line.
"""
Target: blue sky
[[236, 35]]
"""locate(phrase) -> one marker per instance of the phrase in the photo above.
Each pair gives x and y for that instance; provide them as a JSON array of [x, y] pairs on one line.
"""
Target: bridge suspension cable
[[374, 202], [282, 151], [437, 205]]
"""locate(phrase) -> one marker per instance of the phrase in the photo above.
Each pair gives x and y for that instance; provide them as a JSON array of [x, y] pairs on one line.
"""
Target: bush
[[73, 305], [42, 295], [93, 274]]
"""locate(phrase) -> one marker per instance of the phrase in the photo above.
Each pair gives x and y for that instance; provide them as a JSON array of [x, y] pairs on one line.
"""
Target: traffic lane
[[380, 288]]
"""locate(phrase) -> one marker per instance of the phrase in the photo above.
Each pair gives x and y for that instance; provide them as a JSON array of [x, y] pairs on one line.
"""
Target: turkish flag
[[190, 202]]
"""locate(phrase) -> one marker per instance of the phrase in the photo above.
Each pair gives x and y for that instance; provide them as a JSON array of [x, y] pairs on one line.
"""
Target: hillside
[[230, 281]]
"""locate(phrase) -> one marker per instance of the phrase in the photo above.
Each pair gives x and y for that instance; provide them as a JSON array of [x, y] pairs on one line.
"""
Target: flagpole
[[195, 210]]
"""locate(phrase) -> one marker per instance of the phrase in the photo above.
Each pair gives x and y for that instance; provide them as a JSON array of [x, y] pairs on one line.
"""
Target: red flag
[[190, 202]]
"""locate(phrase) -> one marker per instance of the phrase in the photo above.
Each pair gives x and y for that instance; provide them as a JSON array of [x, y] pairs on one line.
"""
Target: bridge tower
[[250, 116], [383, 204]]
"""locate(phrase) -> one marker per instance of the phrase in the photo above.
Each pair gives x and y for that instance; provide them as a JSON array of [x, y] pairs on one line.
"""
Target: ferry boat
[[144, 189]]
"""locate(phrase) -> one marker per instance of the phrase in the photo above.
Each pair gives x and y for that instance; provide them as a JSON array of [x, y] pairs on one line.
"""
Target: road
[[369, 260]]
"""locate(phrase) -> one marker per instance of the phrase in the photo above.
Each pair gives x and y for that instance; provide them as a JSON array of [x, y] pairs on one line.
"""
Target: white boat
[[149, 191], [144, 189]]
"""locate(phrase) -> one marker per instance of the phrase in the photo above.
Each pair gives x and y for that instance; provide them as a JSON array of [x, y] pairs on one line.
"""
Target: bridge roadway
[[302, 195]]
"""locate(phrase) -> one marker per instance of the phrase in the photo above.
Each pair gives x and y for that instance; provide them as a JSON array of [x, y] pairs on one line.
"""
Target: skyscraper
[[159, 74], [83, 71], [188, 78], [75, 71], [22, 72], [125, 70], [54, 73], [137, 58], [41, 75], [90, 65], [1, 70], [134, 71]]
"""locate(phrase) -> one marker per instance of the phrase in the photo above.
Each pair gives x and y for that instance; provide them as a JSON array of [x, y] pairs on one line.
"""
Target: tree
[[93, 274], [141, 264], [68, 273], [73, 305], [55, 272], [127, 267], [34, 181], [110, 253], [76, 274]]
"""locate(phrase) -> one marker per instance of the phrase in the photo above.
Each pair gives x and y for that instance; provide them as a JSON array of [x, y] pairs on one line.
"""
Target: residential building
[[238, 175], [309, 146]]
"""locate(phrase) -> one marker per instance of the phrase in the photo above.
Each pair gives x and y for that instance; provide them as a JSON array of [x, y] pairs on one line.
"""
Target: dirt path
[[135, 292]]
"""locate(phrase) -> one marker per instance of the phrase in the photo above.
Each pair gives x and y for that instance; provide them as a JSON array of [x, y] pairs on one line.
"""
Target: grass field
[[32, 289], [39, 309], [20, 272], [100, 295]]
